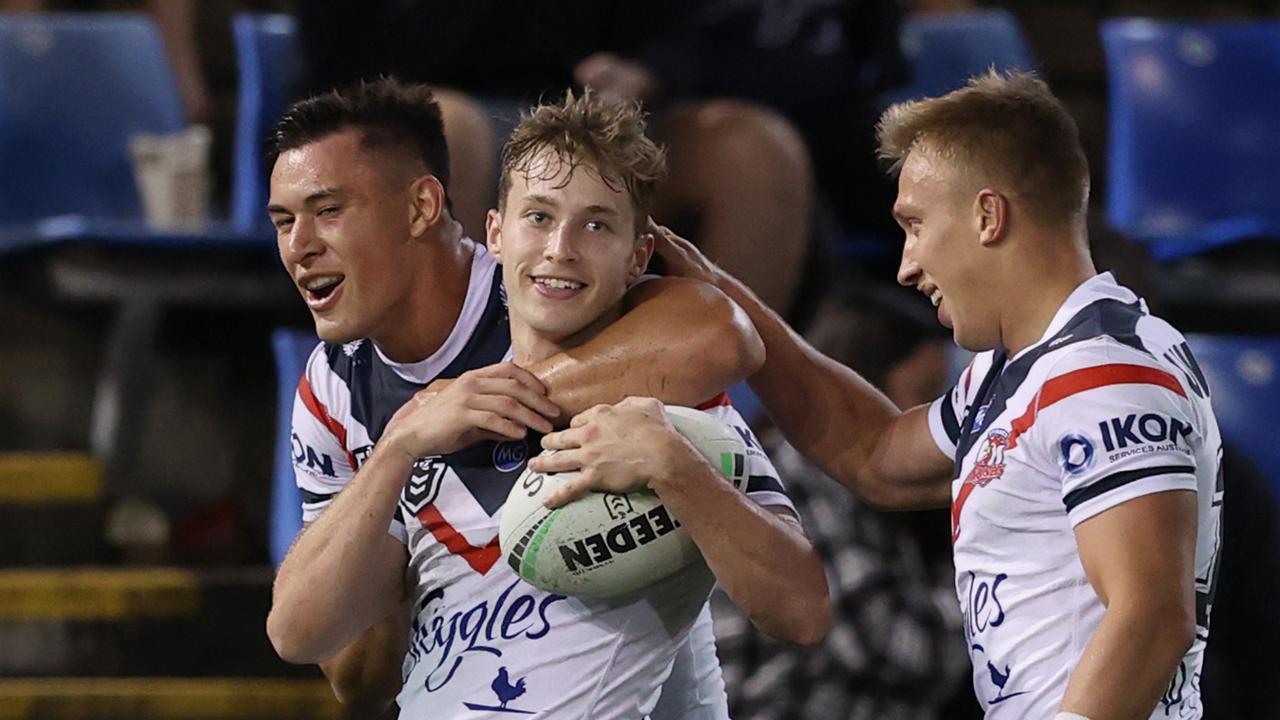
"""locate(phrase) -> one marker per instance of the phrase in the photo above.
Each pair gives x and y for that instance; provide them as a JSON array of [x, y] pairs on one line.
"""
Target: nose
[[300, 243], [908, 268], [561, 245]]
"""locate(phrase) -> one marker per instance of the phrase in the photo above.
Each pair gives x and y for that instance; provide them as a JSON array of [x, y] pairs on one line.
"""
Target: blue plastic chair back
[[1194, 158], [73, 88], [1243, 373], [946, 50], [269, 55], [291, 349]]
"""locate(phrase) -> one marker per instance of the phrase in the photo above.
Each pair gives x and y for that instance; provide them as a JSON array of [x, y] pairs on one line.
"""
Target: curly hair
[[608, 136]]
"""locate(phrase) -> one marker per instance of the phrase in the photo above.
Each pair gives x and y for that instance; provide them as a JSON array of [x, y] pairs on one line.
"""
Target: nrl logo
[[424, 483], [619, 506]]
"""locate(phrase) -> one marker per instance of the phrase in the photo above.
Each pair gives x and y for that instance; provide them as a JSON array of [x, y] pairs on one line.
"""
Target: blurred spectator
[[1237, 680], [895, 650], [176, 20], [740, 175]]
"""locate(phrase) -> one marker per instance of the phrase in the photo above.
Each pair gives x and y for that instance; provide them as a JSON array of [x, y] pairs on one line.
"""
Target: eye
[[329, 211], [537, 217], [598, 226], [282, 223]]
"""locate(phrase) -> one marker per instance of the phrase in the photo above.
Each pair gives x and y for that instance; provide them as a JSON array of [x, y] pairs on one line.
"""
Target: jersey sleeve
[[947, 412], [763, 482], [1111, 425], [322, 463]]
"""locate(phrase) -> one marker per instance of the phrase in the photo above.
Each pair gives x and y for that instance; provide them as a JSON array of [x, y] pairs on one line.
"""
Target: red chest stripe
[[479, 558], [1061, 388], [1078, 381], [321, 413]]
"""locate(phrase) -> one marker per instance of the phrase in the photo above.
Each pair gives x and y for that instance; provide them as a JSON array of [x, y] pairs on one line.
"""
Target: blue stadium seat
[[1243, 373], [270, 66], [291, 349], [73, 88], [1194, 159], [945, 50]]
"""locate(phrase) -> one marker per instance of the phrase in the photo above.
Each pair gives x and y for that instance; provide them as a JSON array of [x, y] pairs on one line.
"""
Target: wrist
[[679, 465]]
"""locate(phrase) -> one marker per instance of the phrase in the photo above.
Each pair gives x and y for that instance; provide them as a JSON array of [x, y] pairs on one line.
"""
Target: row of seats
[[1193, 162]]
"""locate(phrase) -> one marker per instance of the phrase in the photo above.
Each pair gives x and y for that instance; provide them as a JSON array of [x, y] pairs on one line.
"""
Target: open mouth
[[319, 288]]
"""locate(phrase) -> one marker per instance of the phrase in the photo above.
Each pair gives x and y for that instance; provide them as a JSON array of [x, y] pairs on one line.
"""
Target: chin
[[335, 333]]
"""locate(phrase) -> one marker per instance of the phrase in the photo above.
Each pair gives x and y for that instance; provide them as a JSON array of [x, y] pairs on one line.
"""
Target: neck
[[529, 347], [1040, 280], [425, 317]]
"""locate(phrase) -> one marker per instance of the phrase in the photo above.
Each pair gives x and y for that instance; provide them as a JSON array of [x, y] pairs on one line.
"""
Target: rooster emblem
[[506, 692], [503, 688]]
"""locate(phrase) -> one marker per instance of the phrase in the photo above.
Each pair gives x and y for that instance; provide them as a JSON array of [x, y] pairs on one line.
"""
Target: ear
[[426, 206], [991, 216], [640, 256], [493, 234]]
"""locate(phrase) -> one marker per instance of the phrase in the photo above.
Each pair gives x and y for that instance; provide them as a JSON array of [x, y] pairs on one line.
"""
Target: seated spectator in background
[[176, 20], [895, 651], [740, 182]]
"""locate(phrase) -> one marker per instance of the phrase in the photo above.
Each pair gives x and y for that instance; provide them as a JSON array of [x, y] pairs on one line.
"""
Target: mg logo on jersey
[[509, 456]]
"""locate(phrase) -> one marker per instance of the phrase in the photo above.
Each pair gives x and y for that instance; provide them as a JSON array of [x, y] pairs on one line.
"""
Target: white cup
[[172, 175]]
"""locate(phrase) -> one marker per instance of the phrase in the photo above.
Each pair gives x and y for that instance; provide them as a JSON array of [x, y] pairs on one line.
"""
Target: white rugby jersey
[[1108, 406], [484, 643]]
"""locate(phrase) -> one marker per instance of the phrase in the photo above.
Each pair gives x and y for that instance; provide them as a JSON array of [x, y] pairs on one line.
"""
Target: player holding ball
[[570, 234]]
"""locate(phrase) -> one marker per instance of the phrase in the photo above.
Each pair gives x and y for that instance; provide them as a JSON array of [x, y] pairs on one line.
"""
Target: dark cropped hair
[[390, 115]]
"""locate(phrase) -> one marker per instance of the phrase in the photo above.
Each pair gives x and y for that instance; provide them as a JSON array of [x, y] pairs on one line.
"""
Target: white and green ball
[[604, 545]]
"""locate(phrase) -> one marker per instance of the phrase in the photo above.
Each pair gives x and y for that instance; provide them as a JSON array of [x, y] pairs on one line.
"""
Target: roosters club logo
[[989, 464]]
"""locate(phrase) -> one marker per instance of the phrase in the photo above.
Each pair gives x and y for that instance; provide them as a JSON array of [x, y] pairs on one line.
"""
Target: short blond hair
[[610, 136], [1006, 128]]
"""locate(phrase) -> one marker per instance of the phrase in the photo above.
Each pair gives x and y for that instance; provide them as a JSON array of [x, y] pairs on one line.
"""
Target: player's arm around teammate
[[890, 459], [679, 339], [761, 558], [345, 573]]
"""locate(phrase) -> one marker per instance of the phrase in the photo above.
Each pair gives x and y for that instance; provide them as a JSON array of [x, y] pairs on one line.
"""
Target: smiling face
[[569, 248], [343, 217], [942, 253]]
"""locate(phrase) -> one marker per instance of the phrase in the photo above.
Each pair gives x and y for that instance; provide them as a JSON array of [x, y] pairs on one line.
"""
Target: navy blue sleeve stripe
[[764, 483], [399, 514], [1120, 479], [311, 498], [949, 422]]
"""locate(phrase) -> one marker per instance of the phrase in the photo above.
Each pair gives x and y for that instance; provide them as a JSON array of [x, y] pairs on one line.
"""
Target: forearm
[[334, 582], [763, 562], [365, 675], [681, 341], [1129, 661], [840, 421]]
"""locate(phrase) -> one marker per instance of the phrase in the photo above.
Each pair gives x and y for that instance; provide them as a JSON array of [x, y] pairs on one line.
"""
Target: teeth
[[936, 297], [559, 284], [320, 283]]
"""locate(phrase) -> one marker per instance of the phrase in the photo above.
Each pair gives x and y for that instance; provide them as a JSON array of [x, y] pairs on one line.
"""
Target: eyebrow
[[312, 199]]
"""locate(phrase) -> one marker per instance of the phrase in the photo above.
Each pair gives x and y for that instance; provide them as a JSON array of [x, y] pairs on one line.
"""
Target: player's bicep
[[1143, 548], [908, 469]]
